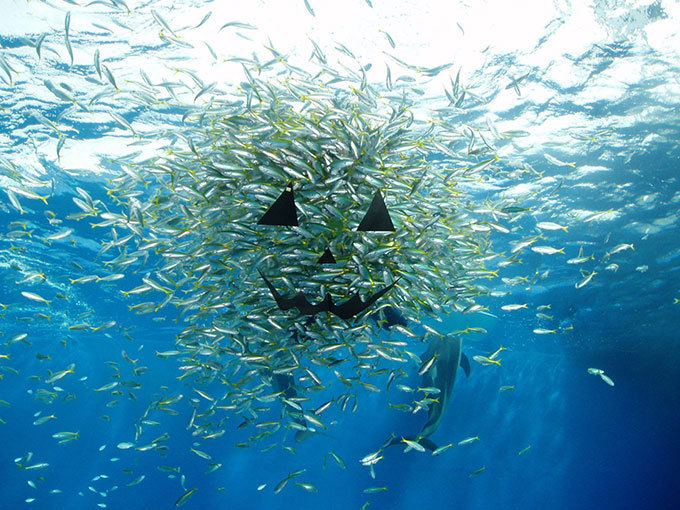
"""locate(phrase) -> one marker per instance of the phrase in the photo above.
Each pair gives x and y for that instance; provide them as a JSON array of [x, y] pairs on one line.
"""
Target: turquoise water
[[585, 129]]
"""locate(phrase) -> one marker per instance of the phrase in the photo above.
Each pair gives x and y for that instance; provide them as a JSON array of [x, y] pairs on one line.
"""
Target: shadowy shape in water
[[445, 354], [286, 383]]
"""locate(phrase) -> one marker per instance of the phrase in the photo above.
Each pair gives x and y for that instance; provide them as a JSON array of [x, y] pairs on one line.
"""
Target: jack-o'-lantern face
[[283, 212]]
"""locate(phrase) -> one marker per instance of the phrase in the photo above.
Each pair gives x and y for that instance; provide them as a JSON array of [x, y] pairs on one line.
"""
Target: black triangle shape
[[326, 258], [377, 218], [282, 211]]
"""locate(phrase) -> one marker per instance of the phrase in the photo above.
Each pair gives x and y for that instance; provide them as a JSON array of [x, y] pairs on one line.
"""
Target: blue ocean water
[[589, 444]]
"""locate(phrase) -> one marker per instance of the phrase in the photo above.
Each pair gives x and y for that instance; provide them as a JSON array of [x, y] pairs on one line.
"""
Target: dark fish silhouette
[[448, 356], [442, 375]]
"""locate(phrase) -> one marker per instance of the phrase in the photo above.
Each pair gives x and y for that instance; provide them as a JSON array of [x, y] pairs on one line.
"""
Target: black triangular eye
[[326, 258], [377, 218], [282, 211]]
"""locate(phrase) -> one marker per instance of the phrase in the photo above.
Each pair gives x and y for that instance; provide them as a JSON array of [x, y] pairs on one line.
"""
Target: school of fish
[[184, 225]]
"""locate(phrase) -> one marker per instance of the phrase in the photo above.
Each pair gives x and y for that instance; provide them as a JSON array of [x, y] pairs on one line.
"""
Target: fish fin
[[301, 435], [465, 364], [427, 443]]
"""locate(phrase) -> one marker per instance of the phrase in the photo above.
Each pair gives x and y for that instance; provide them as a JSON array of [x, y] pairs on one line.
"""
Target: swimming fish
[[547, 250], [468, 440], [483, 360], [580, 259], [549, 225], [603, 376]]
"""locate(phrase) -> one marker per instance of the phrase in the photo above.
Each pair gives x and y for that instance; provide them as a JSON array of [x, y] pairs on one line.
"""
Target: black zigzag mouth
[[350, 308]]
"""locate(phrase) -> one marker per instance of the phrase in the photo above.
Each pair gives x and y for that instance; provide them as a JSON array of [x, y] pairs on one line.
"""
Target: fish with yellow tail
[[483, 360]]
